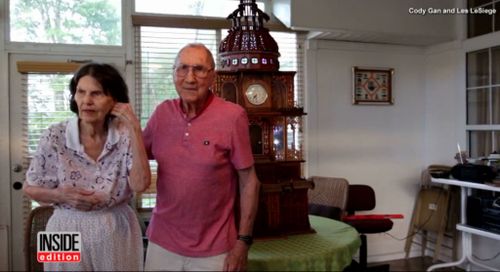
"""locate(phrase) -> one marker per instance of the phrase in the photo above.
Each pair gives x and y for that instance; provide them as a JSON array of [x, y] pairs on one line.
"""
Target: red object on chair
[[373, 216], [362, 198]]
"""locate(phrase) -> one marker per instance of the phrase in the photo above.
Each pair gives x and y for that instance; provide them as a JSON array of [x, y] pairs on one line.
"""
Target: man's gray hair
[[197, 45]]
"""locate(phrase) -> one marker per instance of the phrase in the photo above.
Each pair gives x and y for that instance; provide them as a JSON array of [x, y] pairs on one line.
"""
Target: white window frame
[[30, 47], [470, 45]]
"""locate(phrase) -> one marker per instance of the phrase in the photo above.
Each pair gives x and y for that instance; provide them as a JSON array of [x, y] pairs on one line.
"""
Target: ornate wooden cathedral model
[[249, 76]]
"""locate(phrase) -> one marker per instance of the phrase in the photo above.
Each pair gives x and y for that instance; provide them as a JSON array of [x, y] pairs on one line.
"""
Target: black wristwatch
[[247, 239]]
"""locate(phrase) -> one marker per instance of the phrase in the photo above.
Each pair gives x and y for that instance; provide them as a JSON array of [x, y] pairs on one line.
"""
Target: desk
[[467, 231], [331, 248]]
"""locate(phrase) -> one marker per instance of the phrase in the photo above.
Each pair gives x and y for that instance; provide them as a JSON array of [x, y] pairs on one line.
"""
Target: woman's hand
[[80, 198], [125, 113]]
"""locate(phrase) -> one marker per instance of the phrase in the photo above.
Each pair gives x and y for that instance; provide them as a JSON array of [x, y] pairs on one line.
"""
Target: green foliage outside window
[[96, 22]]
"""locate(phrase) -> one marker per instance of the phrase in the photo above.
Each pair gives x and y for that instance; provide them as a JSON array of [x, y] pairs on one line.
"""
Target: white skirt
[[111, 239]]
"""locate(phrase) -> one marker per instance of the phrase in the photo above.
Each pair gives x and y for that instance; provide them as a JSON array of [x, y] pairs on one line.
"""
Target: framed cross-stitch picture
[[372, 86]]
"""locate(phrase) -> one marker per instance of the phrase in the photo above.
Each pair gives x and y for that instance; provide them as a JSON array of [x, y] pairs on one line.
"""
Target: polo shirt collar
[[73, 134], [209, 100]]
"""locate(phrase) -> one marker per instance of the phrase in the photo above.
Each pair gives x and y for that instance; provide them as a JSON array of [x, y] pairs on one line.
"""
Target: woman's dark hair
[[110, 79]]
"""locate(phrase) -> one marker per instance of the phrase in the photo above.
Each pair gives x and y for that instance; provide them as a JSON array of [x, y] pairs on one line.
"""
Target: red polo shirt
[[196, 188]]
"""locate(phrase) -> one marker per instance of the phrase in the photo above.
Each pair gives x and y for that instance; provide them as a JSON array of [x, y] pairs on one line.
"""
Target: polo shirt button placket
[[186, 134]]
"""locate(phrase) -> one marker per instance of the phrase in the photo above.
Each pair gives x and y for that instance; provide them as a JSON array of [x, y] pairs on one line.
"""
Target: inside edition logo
[[59, 247]]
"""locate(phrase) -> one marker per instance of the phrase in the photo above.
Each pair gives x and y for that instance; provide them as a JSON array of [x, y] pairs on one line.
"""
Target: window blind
[[155, 56]]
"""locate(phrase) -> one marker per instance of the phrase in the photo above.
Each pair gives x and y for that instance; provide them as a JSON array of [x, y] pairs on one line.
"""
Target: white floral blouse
[[60, 160]]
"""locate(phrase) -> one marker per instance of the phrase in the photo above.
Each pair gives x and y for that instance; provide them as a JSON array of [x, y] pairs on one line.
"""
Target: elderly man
[[202, 147]]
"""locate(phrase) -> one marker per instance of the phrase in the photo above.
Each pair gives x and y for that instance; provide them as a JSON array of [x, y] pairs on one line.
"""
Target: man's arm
[[249, 199], [249, 187]]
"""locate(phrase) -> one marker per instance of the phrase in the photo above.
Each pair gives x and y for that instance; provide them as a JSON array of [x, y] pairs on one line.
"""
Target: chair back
[[361, 197], [328, 198], [37, 221]]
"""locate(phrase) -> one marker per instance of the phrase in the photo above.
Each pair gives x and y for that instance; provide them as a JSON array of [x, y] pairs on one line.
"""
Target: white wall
[[382, 146], [445, 103]]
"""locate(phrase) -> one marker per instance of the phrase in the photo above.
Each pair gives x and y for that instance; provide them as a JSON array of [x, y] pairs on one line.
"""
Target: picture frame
[[372, 86]]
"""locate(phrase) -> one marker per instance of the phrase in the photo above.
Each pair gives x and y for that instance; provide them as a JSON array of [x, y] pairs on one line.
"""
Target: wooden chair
[[37, 221], [435, 211], [328, 198]]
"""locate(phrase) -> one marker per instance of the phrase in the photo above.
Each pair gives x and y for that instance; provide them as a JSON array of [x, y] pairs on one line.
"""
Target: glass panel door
[[37, 100]]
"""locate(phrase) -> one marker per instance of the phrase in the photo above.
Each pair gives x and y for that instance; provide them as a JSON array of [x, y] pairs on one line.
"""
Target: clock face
[[256, 94]]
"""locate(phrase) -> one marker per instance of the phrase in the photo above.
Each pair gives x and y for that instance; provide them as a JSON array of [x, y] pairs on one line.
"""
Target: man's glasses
[[199, 71]]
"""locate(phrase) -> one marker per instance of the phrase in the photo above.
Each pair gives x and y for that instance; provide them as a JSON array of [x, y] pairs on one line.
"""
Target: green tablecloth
[[329, 249]]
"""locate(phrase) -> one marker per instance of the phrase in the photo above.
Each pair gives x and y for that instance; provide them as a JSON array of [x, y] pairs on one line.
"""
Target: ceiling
[[377, 37]]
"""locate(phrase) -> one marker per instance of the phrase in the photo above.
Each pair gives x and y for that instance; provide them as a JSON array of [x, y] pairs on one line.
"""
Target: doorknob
[[17, 168], [17, 185]]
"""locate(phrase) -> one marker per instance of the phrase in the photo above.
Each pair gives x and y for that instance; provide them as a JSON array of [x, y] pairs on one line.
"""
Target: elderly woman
[[88, 167]]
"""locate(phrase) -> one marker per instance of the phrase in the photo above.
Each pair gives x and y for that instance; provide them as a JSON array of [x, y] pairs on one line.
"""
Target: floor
[[414, 264]]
